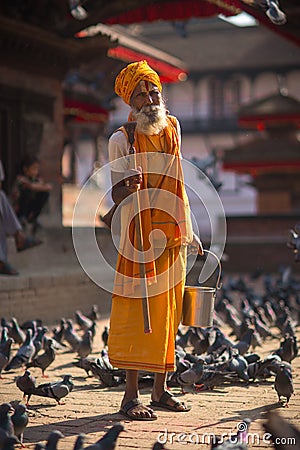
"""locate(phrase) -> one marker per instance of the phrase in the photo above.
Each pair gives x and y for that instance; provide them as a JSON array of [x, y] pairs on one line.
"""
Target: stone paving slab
[[93, 409]]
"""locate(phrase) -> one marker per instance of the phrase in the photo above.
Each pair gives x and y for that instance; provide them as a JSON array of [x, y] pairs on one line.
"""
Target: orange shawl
[[164, 207]]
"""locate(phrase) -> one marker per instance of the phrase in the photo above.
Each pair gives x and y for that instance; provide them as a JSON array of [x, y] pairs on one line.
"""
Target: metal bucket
[[199, 301]]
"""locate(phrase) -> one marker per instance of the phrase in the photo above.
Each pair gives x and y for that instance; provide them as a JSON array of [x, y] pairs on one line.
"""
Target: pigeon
[[106, 373], [158, 446], [245, 342], [288, 348], [191, 376], [85, 346], [5, 419], [104, 337], [274, 13], [92, 329], [109, 440], [53, 439], [5, 354], [78, 445], [20, 421], [9, 443], [39, 446], [38, 339], [82, 321], [27, 384], [283, 434], [16, 332], [284, 384], [55, 389], [44, 360], [257, 369], [32, 324], [239, 365], [238, 441], [24, 354], [85, 364], [94, 313], [70, 336], [4, 337], [58, 333]]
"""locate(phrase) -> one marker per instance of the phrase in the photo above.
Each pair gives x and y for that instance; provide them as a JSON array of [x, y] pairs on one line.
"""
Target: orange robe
[[165, 214]]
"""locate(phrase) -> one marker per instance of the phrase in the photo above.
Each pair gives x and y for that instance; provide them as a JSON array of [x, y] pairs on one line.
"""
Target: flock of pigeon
[[205, 358]]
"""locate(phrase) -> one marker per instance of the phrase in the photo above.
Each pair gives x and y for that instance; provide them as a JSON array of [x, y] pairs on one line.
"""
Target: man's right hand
[[133, 179]]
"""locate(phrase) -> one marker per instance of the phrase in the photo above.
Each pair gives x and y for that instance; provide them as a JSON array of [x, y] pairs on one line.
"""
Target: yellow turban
[[131, 75]]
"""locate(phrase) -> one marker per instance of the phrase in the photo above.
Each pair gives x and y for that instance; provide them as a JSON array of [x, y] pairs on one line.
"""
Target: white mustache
[[149, 108]]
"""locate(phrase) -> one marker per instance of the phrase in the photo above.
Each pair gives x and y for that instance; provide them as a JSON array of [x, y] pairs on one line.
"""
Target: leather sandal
[[7, 269], [127, 410], [176, 407]]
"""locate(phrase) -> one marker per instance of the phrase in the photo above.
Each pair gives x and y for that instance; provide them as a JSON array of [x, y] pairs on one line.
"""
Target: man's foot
[[7, 269], [25, 242], [168, 401], [135, 410]]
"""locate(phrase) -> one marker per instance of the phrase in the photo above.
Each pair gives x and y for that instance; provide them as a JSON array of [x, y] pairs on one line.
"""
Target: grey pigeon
[[284, 384], [9, 443], [20, 421], [94, 313], [93, 330], [39, 446], [27, 384], [70, 336], [55, 389], [239, 365], [85, 346], [238, 441], [78, 445], [257, 369], [191, 376], [158, 446], [85, 364], [5, 354], [4, 337], [24, 354], [275, 14], [104, 336], [5, 419], [288, 348], [283, 434], [16, 332], [38, 339], [3, 438], [109, 440], [245, 342], [44, 360], [58, 332], [53, 439], [82, 321]]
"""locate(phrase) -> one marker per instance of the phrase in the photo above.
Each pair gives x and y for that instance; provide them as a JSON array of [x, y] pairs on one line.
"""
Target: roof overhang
[[84, 112], [129, 49]]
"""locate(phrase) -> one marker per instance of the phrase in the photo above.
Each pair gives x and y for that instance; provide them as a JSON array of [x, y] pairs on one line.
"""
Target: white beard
[[151, 119]]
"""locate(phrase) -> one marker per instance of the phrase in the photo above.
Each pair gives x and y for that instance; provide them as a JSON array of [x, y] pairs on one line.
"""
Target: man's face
[[148, 108], [145, 94]]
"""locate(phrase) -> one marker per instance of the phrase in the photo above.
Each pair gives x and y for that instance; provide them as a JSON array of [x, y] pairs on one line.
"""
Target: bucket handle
[[218, 283]]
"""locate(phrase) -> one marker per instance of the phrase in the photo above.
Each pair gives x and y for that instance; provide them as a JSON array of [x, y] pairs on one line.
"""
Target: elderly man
[[152, 179]]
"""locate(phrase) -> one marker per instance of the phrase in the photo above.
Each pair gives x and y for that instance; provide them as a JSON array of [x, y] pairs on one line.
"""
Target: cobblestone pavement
[[93, 409]]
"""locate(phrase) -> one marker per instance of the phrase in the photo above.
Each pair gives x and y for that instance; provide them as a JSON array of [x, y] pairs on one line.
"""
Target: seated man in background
[[30, 193], [10, 226]]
